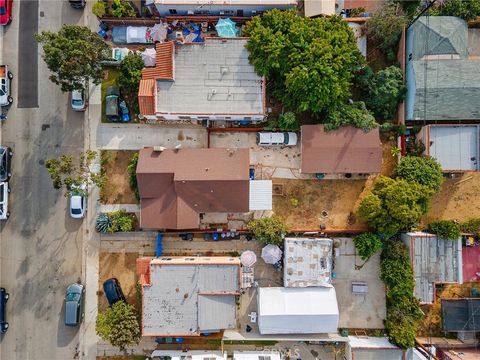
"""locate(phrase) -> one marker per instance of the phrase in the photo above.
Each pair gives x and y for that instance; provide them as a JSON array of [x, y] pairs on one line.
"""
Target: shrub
[[355, 115], [98, 9], [118, 325], [268, 230], [423, 170], [471, 226], [445, 229], [121, 221], [385, 27], [403, 309], [367, 244], [132, 175], [122, 8], [103, 223], [465, 9], [131, 73], [394, 205], [385, 91], [288, 122]]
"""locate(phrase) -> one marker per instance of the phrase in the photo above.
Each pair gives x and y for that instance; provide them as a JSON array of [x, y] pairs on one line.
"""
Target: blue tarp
[[159, 245]]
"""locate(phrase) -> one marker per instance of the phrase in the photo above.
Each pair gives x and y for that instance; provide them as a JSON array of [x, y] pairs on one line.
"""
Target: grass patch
[[110, 79]]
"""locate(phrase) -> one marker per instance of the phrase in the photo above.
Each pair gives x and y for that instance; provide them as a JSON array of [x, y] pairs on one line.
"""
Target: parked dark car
[[74, 304], [3, 310], [112, 103], [5, 163], [113, 291], [77, 4]]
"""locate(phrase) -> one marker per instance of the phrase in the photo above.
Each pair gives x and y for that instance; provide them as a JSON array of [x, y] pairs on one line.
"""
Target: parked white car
[[276, 138], [78, 100], [78, 202], [5, 79], [4, 191]]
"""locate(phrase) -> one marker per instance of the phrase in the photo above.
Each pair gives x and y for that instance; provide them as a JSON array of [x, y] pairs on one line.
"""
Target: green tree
[[122, 8], [288, 122], [367, 244], [385, 91], [471, 226], [74, 56], [131, 72], [423, 170], [309, 63], [394, 205], [118, 325], [465, 9], [355, 114], [98, 9], [403, 309], [73, 173], [268, 230], [385, 28], [445, 229], [132, 175]]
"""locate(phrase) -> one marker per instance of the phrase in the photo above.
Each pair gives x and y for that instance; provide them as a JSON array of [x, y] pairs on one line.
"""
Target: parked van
[[5, 80], [4, 192], [276, 138]]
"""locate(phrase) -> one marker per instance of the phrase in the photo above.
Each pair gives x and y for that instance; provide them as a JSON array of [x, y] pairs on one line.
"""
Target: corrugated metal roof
[[260, 196], [434, 261]]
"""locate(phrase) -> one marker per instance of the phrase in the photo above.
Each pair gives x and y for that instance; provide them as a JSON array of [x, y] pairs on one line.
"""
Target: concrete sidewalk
[[130, 208], [138, 136]]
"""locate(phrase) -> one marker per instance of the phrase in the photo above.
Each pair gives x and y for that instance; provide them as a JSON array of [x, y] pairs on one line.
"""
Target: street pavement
[[40, 245]]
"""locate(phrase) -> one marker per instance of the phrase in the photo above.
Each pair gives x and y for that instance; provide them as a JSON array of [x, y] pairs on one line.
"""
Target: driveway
[[269, 161], [40, 245], [137, 136]]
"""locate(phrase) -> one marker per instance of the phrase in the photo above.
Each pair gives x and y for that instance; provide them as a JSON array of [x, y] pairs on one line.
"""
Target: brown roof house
[[342, 151], [187, 296], [212, 80], [177, 185]]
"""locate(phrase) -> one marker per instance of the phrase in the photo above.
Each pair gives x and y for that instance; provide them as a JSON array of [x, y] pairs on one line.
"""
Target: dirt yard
[[117, 188], [457, 200], [305, 204], [121, 266]]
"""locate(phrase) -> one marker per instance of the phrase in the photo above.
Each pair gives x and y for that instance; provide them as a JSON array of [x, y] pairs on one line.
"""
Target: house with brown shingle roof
[[177, 185], [210, 81], [347, 150]]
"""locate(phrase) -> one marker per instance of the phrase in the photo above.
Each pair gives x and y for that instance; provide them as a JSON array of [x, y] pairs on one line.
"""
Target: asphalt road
[[40, 245]]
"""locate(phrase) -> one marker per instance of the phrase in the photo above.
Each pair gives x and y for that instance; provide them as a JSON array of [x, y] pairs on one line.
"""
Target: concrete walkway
[[130, 208], [138, 136]]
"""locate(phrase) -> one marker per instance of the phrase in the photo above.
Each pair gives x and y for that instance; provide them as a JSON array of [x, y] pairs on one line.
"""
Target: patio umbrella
[[226, 28], [271, 254], [148, 57], [248, 258]]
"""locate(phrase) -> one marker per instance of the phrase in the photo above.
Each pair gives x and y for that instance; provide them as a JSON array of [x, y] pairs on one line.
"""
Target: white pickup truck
[[5, 80]]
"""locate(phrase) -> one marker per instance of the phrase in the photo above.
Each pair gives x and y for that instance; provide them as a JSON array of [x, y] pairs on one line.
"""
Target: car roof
[[71, 309], [76, 201], [75, 288]]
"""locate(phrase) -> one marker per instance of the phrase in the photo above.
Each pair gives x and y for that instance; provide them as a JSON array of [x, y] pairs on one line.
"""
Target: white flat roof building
[[297, 310], [256, 355]]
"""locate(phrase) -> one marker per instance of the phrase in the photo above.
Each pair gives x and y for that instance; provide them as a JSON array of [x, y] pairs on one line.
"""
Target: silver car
[[74, 304]]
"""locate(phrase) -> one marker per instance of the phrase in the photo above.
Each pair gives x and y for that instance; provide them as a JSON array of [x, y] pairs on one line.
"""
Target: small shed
[[372, 348], [297, 310], [459, 315]]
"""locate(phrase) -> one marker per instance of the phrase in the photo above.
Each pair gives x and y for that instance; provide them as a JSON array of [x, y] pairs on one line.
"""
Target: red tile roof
[[346, 150], [146, 97], [176, 186], [163, 69]]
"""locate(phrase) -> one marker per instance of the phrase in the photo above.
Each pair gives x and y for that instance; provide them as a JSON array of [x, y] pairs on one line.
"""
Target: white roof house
[[297, 310], [256, 355]]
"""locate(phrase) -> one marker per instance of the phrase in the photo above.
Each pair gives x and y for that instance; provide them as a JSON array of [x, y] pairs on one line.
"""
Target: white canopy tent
[[297, 310]]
